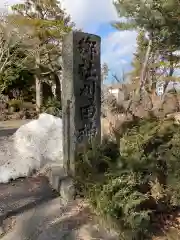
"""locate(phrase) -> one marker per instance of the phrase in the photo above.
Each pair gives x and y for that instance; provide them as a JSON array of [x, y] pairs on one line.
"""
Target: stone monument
[[81, 103], [81, 94]]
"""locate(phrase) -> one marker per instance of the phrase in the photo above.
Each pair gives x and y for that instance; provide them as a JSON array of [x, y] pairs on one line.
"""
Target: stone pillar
[[81, 94]]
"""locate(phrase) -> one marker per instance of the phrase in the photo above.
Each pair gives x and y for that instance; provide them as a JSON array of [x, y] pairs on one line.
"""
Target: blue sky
[[95, 16]]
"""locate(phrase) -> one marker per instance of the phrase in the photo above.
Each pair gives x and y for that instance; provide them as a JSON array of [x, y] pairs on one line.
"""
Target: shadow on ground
[[72, 222], [5, 132], [31, 210], [23, 194], [9, 127]]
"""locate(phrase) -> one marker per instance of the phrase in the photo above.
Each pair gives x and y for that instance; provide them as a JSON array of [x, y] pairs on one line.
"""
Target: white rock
[[35, 144]]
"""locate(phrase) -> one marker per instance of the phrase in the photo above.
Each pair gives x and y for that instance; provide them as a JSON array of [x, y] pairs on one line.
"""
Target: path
[[7, 128], [31, 210]]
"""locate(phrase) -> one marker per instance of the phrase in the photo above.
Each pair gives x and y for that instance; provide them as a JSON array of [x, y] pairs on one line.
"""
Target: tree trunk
[[171, 71], [39, 97], [39, 87], [58, 87], [144, 68]]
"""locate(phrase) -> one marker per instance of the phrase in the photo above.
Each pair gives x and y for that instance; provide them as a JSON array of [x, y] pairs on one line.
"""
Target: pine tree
[[45, 23], [160, 19], [139, 55], [12, 54]]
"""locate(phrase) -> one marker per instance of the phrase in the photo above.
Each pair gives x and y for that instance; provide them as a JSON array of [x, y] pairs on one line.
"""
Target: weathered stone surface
[[67, 190], [81, 94], [61, 182], [56, 173]]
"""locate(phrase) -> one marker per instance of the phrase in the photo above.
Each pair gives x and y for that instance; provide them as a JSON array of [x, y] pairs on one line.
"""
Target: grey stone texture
[[62, 183], [81, 94]]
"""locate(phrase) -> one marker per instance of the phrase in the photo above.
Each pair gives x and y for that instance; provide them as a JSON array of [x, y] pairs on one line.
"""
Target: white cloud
[[6, 3], [87, 14], [117, 48], [90, 14]]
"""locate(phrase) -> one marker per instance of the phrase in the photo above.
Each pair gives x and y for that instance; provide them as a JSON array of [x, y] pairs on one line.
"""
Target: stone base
[[67, 190], [62, 183]]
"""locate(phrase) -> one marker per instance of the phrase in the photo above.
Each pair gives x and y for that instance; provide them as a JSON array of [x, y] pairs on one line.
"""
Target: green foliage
[[32, 35], [119, 199], [16, 104], [152, 148], [19, 79], [127, 186], [160, 20], [93, 162], [139, 56], [13, 56], [112, 190], [52, 106], [157, 17], [45, 23]]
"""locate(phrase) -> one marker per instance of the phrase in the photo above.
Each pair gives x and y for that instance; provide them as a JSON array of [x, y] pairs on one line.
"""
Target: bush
[[15, 105], [112, 191], [52, 106], [152, 148], [128, 186], [93, 163]]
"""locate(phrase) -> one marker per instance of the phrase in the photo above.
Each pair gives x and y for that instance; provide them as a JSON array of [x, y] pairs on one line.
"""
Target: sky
[[95, 16]]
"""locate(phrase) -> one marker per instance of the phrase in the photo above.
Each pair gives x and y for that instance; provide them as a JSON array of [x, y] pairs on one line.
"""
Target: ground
[[31, 210]]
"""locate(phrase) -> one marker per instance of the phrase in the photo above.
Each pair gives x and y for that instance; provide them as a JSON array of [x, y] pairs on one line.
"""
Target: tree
[[104, 72], [141, 42], [13, 54], [139, 55], [45, 23], [160, 20]]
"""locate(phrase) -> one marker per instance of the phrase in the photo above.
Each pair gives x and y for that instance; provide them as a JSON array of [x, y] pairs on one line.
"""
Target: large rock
[[34, 145]]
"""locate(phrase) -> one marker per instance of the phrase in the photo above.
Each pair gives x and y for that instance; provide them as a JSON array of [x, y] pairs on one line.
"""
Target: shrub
[[28, 105], [15, 104], [137, 180], [112, 191], [152, 148], [52, 106], [93, 163]]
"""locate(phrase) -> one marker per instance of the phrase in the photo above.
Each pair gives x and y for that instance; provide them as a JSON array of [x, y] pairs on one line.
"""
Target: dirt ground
[[31, 210]]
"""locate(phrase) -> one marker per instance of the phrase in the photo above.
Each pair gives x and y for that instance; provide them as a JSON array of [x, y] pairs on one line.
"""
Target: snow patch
[[34, 145]]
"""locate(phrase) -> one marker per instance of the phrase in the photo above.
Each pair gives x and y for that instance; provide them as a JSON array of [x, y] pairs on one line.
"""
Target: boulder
[[34, 145]]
